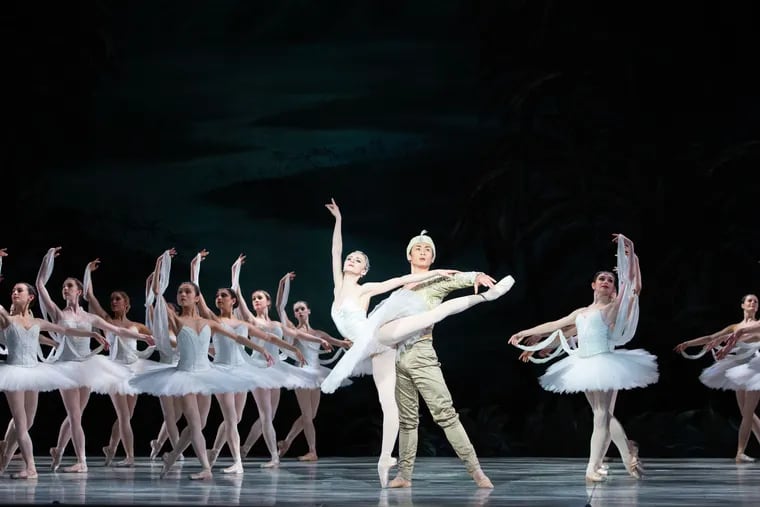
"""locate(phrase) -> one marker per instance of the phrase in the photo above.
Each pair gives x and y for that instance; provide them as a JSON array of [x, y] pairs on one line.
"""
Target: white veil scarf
[[46, 270], [3, 350], [159, 323], [626, 321]]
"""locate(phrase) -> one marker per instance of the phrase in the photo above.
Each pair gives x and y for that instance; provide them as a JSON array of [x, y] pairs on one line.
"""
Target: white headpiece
[[422, 238]]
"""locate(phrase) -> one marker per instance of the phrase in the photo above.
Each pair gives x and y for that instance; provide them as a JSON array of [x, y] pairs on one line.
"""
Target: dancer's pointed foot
[[275, 463], [743, 458], [76, 468], [633, 466], [603, 471], [282, 447], [594, 477], [56, 459], [155, 448], [235, 468], [126, 463], [169, 459], [109, 453], [498, 290], [309, 456], [481, 479], [29, 473], [204, 474], [399, 482], [384, 466], [212, 454]]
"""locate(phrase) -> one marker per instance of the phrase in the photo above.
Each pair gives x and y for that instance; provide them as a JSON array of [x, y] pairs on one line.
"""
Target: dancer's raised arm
[[48, 307], [545, 328], [337, 248], [242, 311], [89, 291], [281, 301], [195, 272]]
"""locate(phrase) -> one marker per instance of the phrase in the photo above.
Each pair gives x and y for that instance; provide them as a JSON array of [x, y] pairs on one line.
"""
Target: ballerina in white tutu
[[23, 376], [715, 376], [234, 359], [267, 400], [157, 320], [596, 367], [124, 351], [394, 320], [93, 371], [308, 398], [194, 378]]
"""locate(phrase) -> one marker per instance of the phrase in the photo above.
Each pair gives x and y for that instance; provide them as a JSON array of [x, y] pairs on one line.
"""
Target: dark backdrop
[[520, 134]]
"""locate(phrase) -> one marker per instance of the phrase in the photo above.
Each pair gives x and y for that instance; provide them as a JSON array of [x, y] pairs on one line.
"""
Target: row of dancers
[[393, 343]]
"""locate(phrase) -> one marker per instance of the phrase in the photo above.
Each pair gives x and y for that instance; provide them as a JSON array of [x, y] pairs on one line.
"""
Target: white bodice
[[123, 350], [593, 334], [310, 351], [22, 344], [193, 349], [75, 348], [350, 320], [226, 350], [270, 347]]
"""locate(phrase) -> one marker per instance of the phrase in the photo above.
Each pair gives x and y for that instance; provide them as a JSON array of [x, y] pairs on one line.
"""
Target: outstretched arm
[[331, 339], [272, 338], [704, 340], [337, 248], [120, 331], [216, 327], [375, 288], [49, 327], [195, 274], [547, 327], [46, 269], [89, 291], [302, 335]]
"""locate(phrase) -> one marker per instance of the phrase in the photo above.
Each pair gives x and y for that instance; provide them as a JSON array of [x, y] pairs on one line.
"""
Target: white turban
[[421, 238]]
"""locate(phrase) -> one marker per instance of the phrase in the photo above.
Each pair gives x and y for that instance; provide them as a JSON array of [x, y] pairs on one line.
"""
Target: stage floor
[[353, 481]]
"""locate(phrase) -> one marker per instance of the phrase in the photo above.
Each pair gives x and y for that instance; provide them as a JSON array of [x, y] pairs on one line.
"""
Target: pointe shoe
[[384, 466], [633, 466], [169, 461], [126, 463], [282, 447], [109, 455], [594, 477], [399, 482], [25, 474], [76, 468], [498, 290], [56, 459], [603, 471], [154, 449], [212, 455], [481, 479], [309, 456], [235, 468], [202, 475], [271, 464], [743, 458]]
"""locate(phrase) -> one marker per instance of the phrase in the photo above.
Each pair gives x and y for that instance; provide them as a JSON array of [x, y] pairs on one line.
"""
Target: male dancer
[[419, 372]]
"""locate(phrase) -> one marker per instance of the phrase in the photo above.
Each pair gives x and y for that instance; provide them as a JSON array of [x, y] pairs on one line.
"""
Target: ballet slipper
[[212, 455], [155, 448], [203, 475], [271, 464], [109, 455], [384, 465], [56, 459], [399, 482], [235, 468], [309, 456], [594, 477], [743, 458], [481, 479], [282, 447], [25, 474], [76, 468], [498, 290], [169, 461], [126, 463]]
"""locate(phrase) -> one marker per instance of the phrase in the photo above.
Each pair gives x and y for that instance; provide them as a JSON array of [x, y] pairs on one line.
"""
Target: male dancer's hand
[[482, 279]]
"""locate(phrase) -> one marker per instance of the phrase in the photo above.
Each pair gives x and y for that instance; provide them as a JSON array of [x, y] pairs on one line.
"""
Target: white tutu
[[171, 381], [354, 325], [746, 376], [615, 370], [97, 372], [40, 377], [136, 368]]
